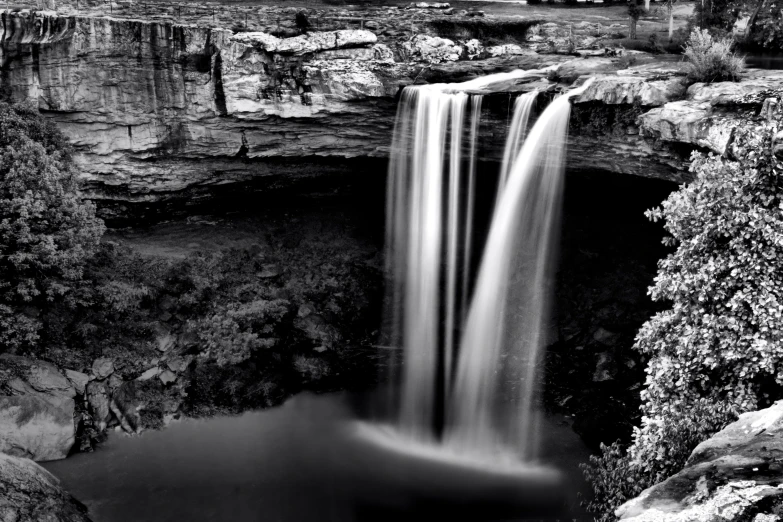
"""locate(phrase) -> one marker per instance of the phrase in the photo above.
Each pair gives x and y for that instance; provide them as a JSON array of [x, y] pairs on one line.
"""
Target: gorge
[[241, 156]]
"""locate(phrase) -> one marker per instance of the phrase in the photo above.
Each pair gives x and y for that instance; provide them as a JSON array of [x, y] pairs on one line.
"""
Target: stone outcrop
[[36, 409], [159, 110], [29, 493], [735, 475]]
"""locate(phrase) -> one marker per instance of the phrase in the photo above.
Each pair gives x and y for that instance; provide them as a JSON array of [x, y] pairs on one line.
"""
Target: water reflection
[[297, 463]]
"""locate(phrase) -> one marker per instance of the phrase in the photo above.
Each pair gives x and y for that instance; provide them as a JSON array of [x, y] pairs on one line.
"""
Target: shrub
[[712, 59], [617, 476], [47, 232], [718, 351]]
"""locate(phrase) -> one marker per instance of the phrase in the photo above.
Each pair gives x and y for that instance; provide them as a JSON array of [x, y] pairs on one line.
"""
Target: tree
[[634, 13], [46, 231], [718, 350]]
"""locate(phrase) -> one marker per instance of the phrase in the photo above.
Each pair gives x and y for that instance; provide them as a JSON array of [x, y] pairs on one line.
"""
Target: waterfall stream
[[469, 376]]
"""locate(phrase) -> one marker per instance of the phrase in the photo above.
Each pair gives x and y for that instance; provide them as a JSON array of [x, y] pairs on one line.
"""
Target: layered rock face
[[735, 475], [160, 110], [29, 493]]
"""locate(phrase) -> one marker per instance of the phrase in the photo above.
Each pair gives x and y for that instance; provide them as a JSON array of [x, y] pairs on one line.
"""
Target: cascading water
[[469, 373], [523, 106]]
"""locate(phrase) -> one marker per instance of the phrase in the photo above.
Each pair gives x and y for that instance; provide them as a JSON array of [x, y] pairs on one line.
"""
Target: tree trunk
[[646, 5], [752, 19], [671, 20]]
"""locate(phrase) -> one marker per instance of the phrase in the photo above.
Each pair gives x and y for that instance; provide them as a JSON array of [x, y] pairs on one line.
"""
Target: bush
[[718, 351], [47, 232], [712, 59], [617, 476]]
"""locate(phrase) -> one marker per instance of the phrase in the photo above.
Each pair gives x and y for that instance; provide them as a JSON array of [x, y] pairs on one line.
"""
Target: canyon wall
[[157, 110]]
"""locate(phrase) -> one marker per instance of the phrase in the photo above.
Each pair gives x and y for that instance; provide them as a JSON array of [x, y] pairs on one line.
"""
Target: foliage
[[47, 233], [617, 476], [712, 59], [237, 330], [718, 15], [767, 32], [718, 351]]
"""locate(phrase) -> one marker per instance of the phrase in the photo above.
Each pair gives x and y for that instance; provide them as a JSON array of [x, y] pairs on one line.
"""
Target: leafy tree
[[718, 351], [46, 231]]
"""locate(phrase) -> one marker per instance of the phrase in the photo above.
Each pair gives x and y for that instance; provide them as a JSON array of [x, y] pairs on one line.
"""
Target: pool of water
[[765, 61], [305, 461]]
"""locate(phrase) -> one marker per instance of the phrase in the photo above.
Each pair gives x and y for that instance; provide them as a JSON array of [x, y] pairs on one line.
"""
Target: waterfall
[[470, 360], [423, 234], [523, 105]]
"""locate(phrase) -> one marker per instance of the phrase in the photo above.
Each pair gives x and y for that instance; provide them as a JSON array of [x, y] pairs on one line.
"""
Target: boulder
[[102, 367], [29, 493], [306, 43], [36, 410], [735, 475], [98, 400], [125, 406], [613, 90], [473, 49], [506, 50], [731, 93], [78, 380], [432, 49], [689, 122]]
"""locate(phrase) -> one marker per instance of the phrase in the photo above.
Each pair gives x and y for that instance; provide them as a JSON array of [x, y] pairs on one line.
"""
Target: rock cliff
[[160, 109], [734, 476]]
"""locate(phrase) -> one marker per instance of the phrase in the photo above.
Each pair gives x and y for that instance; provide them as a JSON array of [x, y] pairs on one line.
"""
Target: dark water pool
[[765, 61], [301, 462]]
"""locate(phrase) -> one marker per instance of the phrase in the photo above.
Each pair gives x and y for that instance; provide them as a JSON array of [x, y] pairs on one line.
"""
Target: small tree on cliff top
[[46, 232], [718, 351]]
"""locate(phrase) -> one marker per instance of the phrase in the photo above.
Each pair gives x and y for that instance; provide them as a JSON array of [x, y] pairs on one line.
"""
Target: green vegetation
[[711, 59], [718, 351], [240, 328], [46, 232]]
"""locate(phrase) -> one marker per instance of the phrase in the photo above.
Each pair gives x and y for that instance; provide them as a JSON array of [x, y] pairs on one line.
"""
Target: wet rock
[[78, 380], [37, 410], [102, 367], [732, 476], [29, 493], [98, 400], [125, 406]]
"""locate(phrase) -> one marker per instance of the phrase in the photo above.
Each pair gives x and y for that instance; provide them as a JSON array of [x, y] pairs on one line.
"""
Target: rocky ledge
[[166, 109], [736, 475], [29, 493]]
